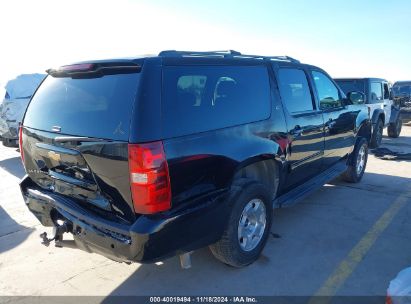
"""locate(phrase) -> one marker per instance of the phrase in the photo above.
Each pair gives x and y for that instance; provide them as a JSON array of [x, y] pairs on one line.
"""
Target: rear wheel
[[394, 129], [376, 136], [248, 225], [358, 162]]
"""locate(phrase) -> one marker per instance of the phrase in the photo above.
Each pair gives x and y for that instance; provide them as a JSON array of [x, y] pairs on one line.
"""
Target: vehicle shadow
[[307, 242], [12, 234], [204, 277], [13, 166]]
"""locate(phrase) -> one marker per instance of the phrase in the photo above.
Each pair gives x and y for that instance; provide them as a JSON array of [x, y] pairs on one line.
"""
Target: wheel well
[[265, 171], [365, 131]]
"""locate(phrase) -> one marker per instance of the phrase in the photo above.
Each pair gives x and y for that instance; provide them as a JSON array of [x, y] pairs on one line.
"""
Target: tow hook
[[58, 231]]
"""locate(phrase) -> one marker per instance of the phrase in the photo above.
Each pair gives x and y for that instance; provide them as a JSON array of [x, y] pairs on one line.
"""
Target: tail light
[[149, 177], [21, 143]]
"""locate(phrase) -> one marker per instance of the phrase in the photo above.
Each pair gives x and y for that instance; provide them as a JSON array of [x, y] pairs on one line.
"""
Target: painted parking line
[[356, 255]]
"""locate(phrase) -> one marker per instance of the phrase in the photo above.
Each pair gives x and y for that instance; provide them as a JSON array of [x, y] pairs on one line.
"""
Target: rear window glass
[[197, 99], [95, 107], [351, 85]]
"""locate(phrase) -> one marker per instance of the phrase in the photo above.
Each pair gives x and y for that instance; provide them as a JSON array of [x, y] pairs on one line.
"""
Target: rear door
[[75, 137], [305, 124]]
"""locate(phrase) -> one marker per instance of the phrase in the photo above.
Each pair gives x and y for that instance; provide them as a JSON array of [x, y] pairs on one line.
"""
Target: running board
[[297, 194]]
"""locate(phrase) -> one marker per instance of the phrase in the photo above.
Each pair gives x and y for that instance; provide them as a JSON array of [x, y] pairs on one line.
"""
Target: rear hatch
[[76, 132]]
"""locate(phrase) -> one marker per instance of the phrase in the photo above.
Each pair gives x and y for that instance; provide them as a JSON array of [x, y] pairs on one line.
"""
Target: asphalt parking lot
[[345, 239]]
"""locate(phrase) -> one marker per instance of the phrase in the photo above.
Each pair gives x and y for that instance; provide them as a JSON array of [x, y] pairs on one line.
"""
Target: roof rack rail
[[225, 54], [275, 58], [174, 53]]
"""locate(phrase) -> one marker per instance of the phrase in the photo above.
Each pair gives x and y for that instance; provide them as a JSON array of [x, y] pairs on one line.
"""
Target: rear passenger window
[[202, 98], [294, 90], [327, 91]]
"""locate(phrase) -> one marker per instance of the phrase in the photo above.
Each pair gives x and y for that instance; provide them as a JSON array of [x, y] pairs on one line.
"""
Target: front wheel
[[248, 225], [358, 162], [394, 129]]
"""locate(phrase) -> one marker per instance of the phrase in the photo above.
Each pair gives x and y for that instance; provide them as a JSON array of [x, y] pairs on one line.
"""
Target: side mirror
[[356, 97]]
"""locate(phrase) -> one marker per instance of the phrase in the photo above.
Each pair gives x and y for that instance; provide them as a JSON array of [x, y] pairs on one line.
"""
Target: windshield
[[95, 107], [351, 85]]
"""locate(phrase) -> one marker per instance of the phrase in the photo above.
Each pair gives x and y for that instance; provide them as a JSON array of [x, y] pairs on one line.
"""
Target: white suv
[[378, 98]]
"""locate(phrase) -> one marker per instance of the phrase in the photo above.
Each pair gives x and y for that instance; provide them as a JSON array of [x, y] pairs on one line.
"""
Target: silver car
[[14, 104]]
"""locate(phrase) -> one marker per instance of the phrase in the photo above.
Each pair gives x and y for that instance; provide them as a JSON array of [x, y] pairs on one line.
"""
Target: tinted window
[[94, 107], [402, 90], [327, 91], [405, 89], [351, 85], [376, 92], [203, 98], [386, 91], [294, 90]]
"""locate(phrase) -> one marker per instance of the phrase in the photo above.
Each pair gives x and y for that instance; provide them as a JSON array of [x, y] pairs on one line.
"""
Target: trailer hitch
[[57, 234]]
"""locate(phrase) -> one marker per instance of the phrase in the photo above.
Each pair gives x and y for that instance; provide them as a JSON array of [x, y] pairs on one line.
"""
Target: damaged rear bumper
[[148, 239]]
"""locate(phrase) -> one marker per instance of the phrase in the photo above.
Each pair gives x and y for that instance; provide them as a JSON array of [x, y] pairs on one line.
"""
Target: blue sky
[[346, 38]]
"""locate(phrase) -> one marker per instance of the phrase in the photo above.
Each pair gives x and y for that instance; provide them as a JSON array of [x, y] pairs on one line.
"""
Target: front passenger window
[[327, 92]]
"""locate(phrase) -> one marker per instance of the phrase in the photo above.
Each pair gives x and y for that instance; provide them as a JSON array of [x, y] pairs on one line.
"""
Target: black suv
[[402, 93], [142, 159]]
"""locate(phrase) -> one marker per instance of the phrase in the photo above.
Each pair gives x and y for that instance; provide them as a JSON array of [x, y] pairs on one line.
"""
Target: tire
[[231, 249], [376, 136], [353, 174], [394, 129]]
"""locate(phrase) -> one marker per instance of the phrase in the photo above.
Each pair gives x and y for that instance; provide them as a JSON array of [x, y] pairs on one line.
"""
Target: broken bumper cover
[[9, 129], [148, 239]]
